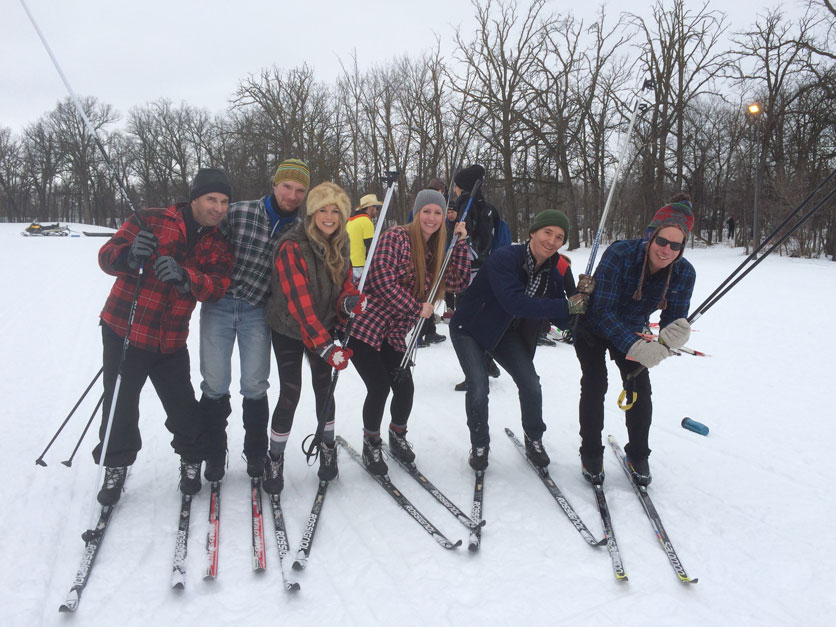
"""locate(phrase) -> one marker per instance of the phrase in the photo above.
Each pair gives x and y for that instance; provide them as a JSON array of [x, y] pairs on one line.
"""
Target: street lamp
[[754, 112]]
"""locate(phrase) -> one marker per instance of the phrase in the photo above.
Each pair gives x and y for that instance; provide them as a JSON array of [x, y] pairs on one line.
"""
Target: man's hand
[[144, 245]]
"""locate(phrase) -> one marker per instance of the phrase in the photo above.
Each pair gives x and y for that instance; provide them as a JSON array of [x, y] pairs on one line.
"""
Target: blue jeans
[[220, 323], [512, 354]]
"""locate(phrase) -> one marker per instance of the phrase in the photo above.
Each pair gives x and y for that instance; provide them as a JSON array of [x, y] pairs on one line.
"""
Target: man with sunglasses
[[634, 279]]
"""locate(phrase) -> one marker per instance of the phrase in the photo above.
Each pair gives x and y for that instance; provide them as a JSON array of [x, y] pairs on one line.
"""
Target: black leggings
[[289, 360], [377, 369]]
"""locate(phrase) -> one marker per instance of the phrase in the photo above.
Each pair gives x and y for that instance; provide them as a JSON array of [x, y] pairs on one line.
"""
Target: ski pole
[[708, 303], [40, 461], [406, 362], [711, 298], [69, 462], [310, 445], [91, 531], [647, 85], [87, 123]]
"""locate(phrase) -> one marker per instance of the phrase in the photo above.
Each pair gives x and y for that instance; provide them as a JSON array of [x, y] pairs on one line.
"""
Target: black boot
[[373, 456], [189, 477], [327, 462], [256, 417], [214, 412], [639, 470], [273, 475], [400, 447], [114, 482], [592, 468], [536, 453], [215, 467], [479, 457]]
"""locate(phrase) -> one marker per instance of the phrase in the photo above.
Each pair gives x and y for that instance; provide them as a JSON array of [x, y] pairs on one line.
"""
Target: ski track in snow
[[746, 508]]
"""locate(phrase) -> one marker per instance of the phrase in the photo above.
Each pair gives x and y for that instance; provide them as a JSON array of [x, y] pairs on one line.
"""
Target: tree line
[[540, 98]]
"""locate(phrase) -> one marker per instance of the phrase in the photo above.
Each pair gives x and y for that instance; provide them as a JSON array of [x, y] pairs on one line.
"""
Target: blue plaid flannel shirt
[[614, 315]]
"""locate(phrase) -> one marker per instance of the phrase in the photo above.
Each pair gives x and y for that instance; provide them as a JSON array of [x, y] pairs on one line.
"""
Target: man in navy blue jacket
[[634, 279], [500, 314]]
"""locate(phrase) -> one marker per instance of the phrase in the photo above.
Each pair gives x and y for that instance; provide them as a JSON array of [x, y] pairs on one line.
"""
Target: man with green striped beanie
[[252, 227]]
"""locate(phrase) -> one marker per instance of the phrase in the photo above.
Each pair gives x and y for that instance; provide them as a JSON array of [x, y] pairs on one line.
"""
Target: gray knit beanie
[[428, 197]]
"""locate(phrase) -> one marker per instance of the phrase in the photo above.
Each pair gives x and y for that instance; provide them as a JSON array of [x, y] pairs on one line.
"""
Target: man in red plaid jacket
[[178, 258]]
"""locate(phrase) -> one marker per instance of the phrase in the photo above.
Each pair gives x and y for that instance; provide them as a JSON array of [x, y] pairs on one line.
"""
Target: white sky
[[130, 53]]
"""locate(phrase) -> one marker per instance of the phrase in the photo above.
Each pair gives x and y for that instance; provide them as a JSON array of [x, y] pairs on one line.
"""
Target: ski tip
[[298, 565], [454, 545], [292, 586], [473, 545], [71, 603], [689, 580], [178, 585]]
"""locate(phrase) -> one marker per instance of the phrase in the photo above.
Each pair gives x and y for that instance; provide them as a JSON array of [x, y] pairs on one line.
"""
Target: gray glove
[[577, 304], [648, 354], [144, 245], [676, 334], [169, 271]]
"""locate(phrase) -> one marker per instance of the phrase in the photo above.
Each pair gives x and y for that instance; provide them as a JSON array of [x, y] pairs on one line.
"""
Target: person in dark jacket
[[500, 314], [634, 279], [185, 260], [312, 291]]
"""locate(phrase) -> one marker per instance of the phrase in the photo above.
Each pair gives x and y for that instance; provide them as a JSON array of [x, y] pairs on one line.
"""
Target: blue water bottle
[[693, 425]]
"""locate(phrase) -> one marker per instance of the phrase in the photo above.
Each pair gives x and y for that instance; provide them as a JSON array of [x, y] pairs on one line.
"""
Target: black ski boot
[[273, 475], [256, 465], [215, 467], [639, 470], [479, 457], [536, 453], [327, 462], [592, 469], [189, 477], [114, 482], [373, 456], [401, 449]]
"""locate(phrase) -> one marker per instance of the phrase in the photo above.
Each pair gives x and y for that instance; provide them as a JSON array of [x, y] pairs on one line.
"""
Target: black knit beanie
[[208, 180]]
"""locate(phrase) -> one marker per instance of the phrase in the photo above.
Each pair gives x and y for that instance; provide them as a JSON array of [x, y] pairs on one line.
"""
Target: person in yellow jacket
[[361, 231]]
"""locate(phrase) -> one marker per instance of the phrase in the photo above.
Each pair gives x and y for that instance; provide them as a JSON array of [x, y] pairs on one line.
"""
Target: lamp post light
[[754, 112]]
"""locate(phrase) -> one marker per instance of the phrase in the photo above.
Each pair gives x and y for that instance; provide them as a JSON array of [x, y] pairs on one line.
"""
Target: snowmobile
[[36, 228]]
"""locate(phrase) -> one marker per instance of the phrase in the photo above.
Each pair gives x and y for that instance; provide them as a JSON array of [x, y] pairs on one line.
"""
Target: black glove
[[144, 245], [169, 271]]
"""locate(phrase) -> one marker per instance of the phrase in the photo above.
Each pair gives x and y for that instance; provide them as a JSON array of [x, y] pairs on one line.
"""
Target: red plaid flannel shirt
[[161, 323], [293, 277], [392, 311]]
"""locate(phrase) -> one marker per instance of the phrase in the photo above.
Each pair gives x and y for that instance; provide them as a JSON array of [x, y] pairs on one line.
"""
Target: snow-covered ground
[[747, 508]]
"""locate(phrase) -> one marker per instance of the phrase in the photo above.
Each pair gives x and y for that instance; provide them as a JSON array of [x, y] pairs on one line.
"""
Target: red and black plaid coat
[[161, 323], [392, 311]]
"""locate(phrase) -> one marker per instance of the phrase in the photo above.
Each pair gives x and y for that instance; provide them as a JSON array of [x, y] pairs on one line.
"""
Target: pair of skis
[[473, 524], [606, 519], [259, 553]]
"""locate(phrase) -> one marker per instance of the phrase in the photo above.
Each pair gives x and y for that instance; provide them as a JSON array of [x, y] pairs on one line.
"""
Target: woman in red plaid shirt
[[402, 272], [312, 289]]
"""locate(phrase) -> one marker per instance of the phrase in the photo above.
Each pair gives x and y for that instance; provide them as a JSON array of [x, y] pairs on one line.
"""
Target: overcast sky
[[130, 53]]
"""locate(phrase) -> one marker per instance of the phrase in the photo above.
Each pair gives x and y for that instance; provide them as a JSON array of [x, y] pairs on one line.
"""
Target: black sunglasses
[[675, 246]]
